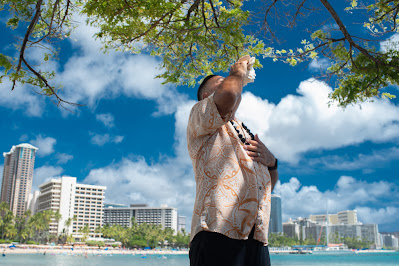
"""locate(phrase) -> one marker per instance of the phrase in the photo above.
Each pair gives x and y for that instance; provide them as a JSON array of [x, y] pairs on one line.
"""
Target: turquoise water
[[182, 260]]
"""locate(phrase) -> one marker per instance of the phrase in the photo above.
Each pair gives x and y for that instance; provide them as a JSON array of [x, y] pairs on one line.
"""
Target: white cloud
[[349, 193], [391, 43], [24, 138], [317, 65], [45, 145], [383, 215], [118, 139], [106, 119], [91, 75], [136, 181], [21, 98], [63, 158], [100, 140], [298, 124], [45, 173], [377, 159]]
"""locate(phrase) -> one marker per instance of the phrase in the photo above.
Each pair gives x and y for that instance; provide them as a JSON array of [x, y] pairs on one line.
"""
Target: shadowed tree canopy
[[198, 37]]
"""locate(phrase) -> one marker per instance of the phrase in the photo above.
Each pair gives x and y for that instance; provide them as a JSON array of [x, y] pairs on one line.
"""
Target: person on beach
[[235, 174]]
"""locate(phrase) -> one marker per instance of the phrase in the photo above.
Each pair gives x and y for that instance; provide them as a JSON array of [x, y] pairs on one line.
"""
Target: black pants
[[214, 249]]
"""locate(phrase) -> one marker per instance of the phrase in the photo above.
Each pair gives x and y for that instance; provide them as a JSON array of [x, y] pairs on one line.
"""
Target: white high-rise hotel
[[17, 177], [85, 202]]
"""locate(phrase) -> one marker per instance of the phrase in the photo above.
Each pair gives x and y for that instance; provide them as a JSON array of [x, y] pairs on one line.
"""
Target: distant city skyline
[[32, 198], [86, 204]]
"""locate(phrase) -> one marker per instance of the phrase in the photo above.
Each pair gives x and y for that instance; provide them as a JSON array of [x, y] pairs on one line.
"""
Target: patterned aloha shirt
[[232, 191]]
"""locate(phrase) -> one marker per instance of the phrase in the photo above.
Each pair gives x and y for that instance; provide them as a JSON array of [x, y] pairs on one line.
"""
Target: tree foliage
[[146, 235], [27, 227], [196, 37]]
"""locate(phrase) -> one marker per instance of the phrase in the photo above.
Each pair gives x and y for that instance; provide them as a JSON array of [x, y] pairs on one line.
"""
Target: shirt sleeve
[[205, 118]]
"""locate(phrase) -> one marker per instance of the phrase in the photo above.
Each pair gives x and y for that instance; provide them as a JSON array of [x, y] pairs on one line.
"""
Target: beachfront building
[[389, 241], [292, 229], [367, 232], [81, 203], [276, 218], [181, 223], [303, 228], [16, 186], [164, 215], [33, 202], [343, 217]]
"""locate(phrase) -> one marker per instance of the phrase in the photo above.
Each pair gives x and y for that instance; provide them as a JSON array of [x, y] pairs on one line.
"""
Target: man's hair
[[202, 86]]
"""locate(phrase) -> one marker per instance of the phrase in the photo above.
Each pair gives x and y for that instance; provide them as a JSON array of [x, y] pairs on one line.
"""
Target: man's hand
[[259, 152], [240, 67]]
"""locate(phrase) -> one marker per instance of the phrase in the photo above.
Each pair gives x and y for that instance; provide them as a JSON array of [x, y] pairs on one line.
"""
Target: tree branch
[[25, 41], [345, 32], [44, 80]]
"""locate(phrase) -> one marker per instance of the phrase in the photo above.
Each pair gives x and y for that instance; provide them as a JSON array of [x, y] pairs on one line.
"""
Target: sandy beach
[[70, 250]]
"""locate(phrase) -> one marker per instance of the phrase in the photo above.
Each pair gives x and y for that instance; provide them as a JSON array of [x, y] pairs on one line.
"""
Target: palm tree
[[57, 216], [70, 239], [4, 208], [40, 222], [8, 220], [10, 231], [69, 222], [85, 230], [21, 224]]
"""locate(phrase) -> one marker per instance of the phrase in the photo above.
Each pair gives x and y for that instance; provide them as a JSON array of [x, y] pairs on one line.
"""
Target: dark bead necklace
[[241, 136]]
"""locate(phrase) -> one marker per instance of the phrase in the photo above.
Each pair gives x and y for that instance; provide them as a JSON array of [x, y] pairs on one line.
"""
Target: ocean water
[[382, 259]]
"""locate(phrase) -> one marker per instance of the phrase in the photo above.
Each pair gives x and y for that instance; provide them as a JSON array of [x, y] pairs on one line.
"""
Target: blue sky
[[130, 135]]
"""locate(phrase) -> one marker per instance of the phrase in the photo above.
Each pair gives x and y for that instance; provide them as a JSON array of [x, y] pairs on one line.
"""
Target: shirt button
[[260, 188]]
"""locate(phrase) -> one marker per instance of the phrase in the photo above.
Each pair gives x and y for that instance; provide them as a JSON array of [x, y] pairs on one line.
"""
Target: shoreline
[[87, 250], [83, 250]]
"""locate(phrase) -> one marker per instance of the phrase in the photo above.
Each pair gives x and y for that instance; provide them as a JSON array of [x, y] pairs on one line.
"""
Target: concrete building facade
[[16, 186], [276, 218], [307, 228], [80, 202], [389, 241], [33, 202], [181, 224], [343, 217], [164, 215], [292, 229]]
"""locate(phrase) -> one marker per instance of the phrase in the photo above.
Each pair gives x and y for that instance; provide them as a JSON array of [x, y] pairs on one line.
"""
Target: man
[[235, 174]]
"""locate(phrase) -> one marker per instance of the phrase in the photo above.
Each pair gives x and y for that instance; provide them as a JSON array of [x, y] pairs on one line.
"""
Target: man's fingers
[[252, 148], [253, 154], [253, 142]]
